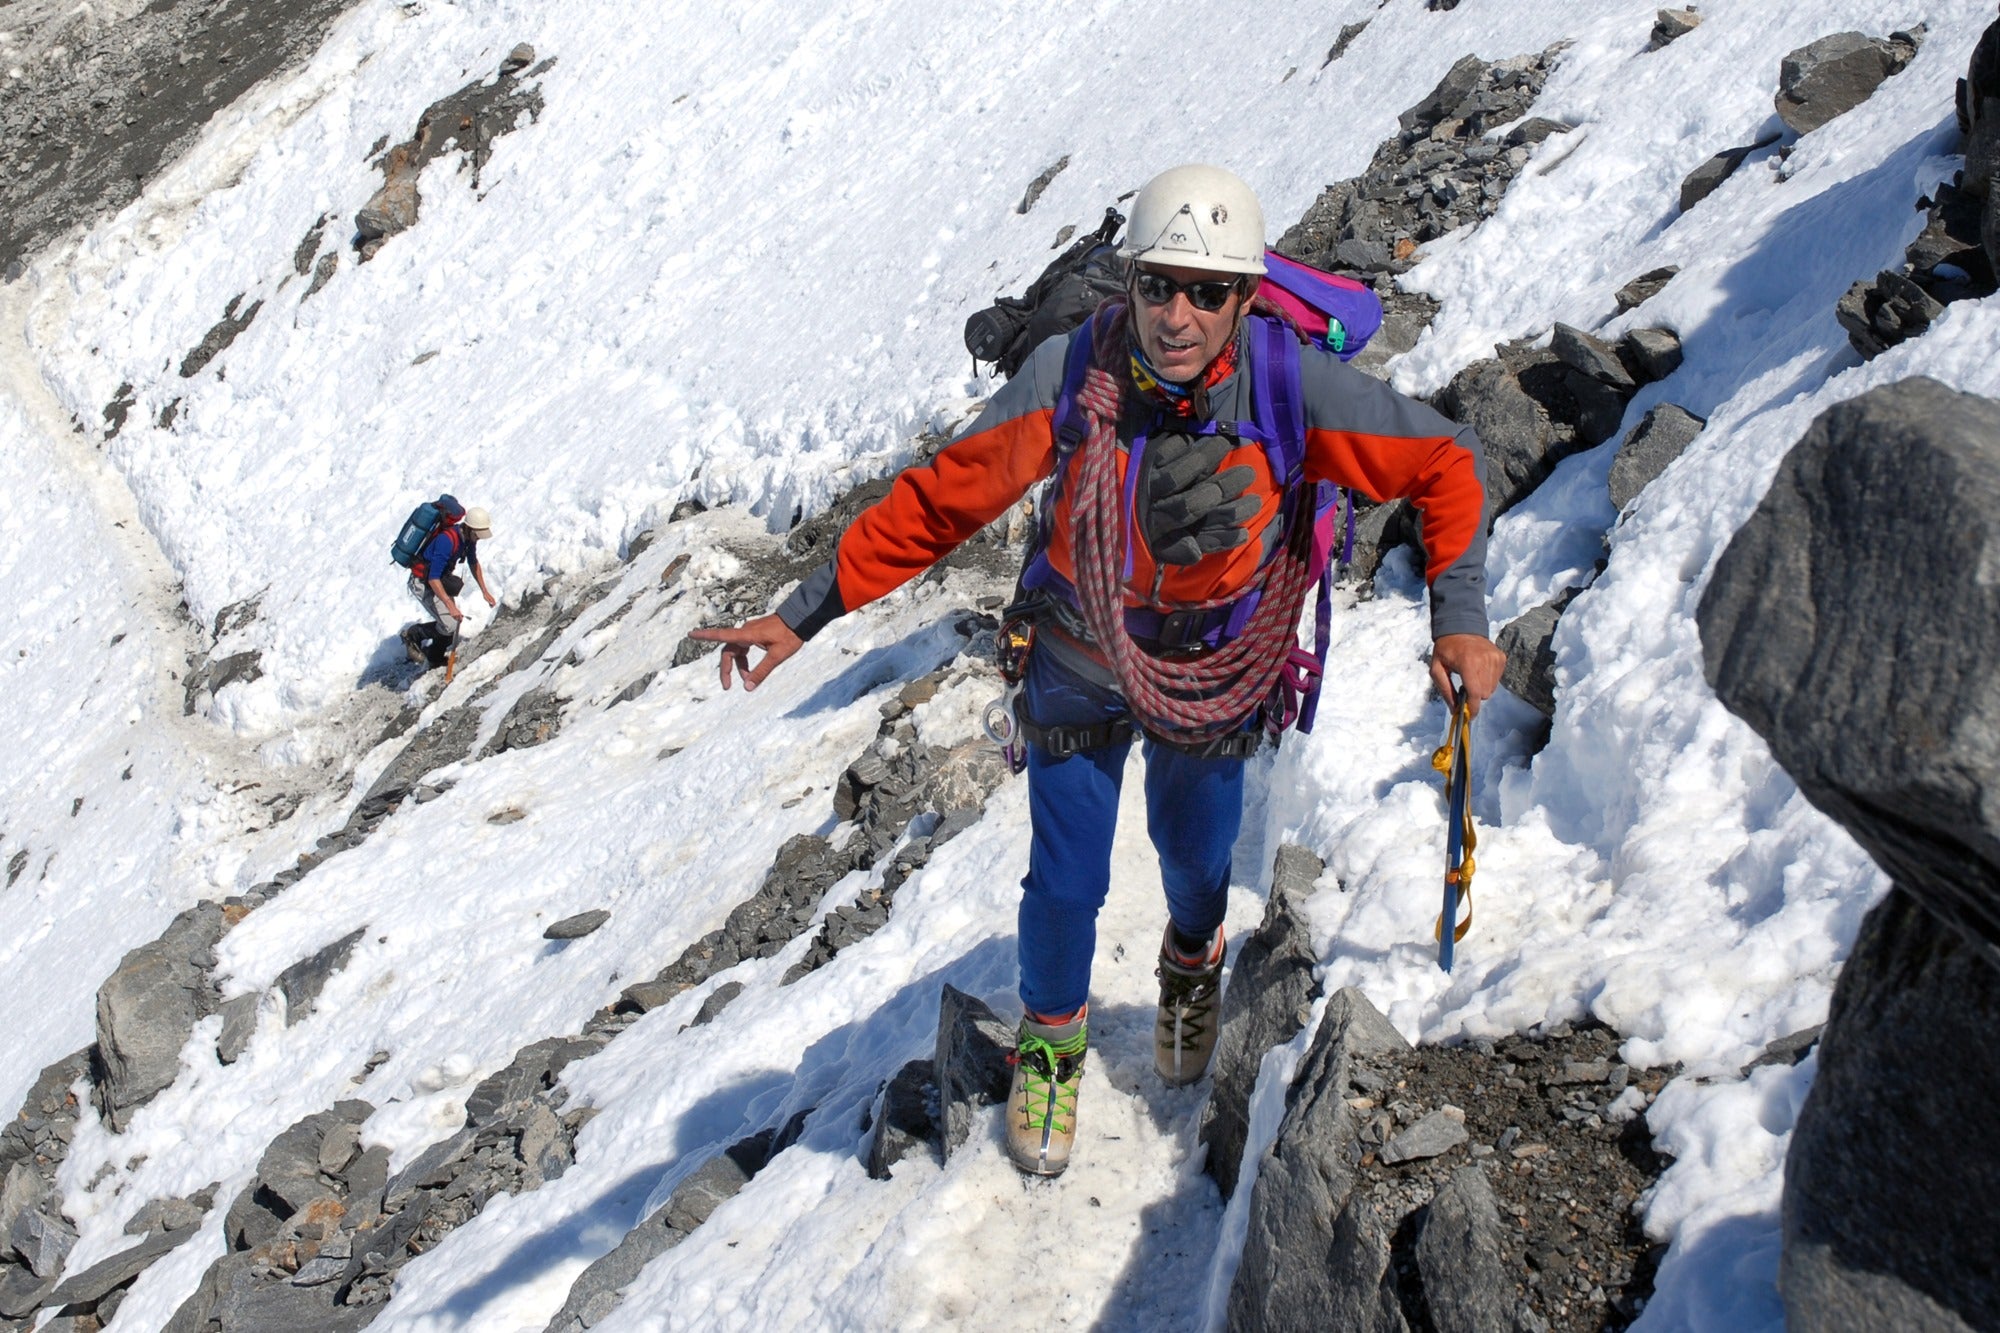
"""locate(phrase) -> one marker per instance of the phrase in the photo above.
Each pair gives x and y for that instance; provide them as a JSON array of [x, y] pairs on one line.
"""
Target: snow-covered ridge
[[729, 263]]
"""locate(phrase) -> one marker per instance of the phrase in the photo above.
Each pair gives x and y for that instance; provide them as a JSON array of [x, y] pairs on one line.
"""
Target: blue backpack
[[1341, 315], [422, 525]]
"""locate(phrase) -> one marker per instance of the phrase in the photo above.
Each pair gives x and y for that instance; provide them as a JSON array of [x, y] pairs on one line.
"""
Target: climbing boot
[[1190, 1004], [1041, 1108], [415, 642]]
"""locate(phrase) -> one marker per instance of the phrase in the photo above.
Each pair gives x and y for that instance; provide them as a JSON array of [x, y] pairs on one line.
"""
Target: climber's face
[[1184, 317]]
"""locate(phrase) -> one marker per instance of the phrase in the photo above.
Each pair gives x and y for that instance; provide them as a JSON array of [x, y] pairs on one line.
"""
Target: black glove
[[1191, 510]]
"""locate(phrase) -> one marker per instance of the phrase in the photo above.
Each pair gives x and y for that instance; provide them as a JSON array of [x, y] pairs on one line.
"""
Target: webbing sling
[[1454, 760]]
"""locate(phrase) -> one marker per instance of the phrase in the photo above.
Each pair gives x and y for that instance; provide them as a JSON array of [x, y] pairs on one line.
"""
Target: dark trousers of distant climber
[[1194, 808], [443, 632]]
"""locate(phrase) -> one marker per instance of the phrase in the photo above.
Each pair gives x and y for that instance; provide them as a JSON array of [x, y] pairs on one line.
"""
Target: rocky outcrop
[[1878, 534], [1661, 436], [220, 336], [1534, 407], [1303, 1192], [1849, 623], [1440, 173], [930, 1104], [1707, 178], [1670, 26], [466, 121], [1272, 988], [147, 1010], [600, 1288], [1477, 1186], [1531, 660], [1949, 261], [316, 1238], [1837, 73]]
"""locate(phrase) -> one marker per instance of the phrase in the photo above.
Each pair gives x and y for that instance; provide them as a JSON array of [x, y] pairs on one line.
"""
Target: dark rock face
[[1848, 624], [1458, 1256], [147, 1009], [1837, 73], [1671, 26], [1440, 173], [1269, 998], [902, 1122], [1661, 436], [1302, 1194], [1869, 1162], [970, 1064], [153, 80], [1707, 178], [1531, 661]]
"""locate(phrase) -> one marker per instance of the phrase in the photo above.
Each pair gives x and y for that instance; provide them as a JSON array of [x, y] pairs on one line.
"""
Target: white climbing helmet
[[1195, 216], [478, 523]]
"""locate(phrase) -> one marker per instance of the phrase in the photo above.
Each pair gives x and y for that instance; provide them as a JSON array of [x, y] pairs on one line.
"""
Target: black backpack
[[1059, 300]]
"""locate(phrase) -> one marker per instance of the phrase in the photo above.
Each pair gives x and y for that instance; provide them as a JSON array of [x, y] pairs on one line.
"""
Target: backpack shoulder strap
[[1277, 396], [1070, 427]]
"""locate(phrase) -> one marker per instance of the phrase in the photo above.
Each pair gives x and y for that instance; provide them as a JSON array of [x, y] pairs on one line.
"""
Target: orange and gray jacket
[[1360, 433]]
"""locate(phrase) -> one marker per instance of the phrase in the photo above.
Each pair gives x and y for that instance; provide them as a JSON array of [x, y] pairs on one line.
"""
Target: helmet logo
[[1218, 215]]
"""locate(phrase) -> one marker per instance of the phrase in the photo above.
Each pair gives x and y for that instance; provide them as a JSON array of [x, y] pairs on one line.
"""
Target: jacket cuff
[[814, 604]]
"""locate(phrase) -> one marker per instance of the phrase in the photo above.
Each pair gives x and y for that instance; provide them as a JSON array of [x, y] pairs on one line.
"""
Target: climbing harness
[[1453, 759]]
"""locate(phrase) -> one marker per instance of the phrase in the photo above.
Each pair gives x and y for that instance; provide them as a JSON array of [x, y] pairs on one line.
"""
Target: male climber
[[1144, 580]]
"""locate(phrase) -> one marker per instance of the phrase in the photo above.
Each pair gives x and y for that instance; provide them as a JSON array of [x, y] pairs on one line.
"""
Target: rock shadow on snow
[[924, 651], [596, 1228]]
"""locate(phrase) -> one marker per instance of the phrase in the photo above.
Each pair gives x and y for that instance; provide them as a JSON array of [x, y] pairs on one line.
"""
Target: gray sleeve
[[1383, 422]]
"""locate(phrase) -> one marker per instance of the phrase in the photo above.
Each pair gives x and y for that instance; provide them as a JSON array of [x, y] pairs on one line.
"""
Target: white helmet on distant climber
[[478, 523], [1197, 217]]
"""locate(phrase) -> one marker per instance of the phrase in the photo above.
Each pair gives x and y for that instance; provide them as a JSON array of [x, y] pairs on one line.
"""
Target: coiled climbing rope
[[1189, 700]]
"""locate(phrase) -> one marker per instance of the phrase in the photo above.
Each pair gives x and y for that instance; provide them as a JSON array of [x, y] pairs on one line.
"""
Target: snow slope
[[730, 262]]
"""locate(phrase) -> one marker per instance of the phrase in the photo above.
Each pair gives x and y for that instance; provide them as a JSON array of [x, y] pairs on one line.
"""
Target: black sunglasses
[[1205, 294]]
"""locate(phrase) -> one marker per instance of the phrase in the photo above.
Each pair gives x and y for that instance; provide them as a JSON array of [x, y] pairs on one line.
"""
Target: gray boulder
[[1593, 356], [1270, 996], [969, 1063], [147, 1009], [1661, 436], [302, 982], [1707, 178], [1301, 1202], [1890, 310], [1644, 287], [1835, 74], [1869, 1162], [1671, 25], [1851, 623], [1433, 1136], [1653, 354], [902, 1122], [1522, 444], [1466, 1284], [578, 926]]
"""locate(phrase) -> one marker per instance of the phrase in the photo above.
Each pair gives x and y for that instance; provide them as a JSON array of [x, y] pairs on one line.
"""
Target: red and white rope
[[1193, 699]]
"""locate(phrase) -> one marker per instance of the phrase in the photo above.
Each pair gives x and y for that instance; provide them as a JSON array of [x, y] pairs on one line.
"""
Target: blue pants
[[1194, 808]]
